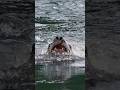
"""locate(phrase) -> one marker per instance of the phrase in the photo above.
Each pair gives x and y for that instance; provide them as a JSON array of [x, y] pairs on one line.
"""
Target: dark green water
[[58, 82], [74, 83]]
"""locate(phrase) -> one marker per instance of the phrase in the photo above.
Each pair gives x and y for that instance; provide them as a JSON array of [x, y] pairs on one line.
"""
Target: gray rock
[[102, 40], [16, 41]]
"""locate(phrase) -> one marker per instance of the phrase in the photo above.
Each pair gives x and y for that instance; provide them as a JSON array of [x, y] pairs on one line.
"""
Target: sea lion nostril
[[61, 38], [57, 38]]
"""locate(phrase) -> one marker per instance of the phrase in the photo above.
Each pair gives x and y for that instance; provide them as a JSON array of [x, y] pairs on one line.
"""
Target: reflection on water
[[58, 72]]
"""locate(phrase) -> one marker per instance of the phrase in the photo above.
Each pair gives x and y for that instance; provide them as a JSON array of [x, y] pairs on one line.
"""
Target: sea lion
[[59, 46]]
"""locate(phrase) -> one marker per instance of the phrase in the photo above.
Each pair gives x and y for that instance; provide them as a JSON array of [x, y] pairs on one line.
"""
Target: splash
[[43, 39]]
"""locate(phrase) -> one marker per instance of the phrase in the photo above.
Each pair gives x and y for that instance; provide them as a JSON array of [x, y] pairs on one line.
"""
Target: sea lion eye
[[61, 38]]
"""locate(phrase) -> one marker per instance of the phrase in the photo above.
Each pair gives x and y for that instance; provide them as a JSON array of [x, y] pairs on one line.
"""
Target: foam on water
[[43, 39]]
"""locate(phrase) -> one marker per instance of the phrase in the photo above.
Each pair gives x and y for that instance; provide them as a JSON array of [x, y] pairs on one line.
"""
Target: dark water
[[60, 76], [74, 83], [60, 18]]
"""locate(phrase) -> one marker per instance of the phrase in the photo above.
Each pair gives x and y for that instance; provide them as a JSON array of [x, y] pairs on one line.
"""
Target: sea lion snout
[[58, 40]]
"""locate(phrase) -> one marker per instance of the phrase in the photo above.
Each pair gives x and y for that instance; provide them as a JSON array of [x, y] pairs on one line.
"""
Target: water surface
[[64, 18]]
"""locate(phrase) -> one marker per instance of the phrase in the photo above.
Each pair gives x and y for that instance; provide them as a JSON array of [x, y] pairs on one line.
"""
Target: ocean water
[[64, 18]]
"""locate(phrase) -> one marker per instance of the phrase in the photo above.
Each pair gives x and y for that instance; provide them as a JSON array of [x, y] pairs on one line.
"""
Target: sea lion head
[[59, 45]]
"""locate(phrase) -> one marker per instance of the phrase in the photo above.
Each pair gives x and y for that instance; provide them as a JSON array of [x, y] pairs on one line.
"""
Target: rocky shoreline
[[16, 42], [102, 43]]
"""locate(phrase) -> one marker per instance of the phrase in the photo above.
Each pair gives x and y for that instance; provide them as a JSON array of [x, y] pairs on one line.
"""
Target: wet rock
[[102, 40], [16, 26], [14, 53], [16, 41], [17, 6], [114, 85]]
